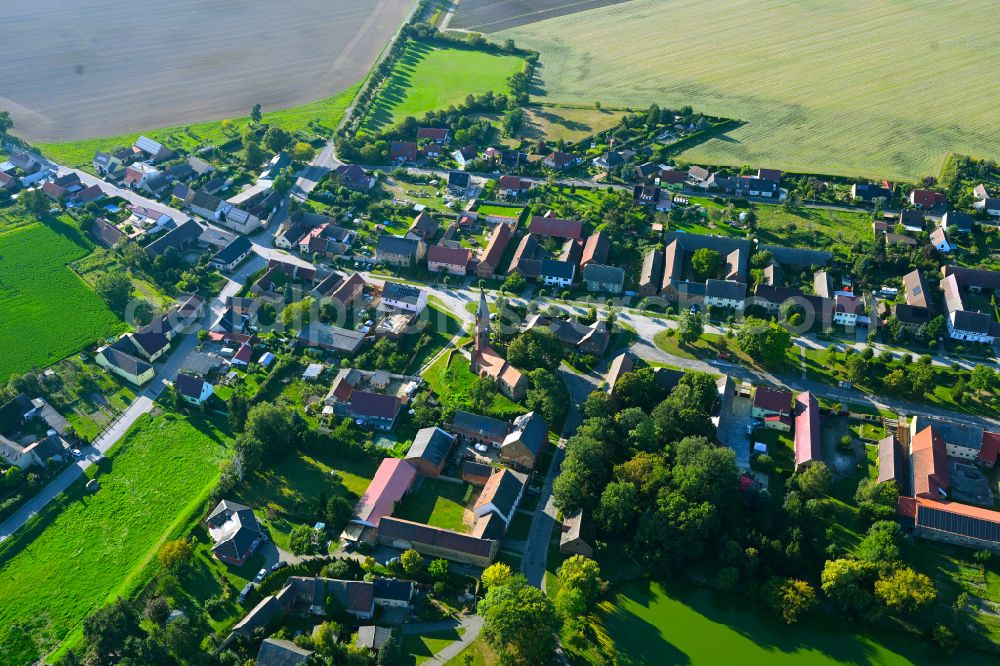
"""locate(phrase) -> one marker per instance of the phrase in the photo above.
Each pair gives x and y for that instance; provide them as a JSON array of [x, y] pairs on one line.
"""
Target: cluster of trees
[[653, 479], [765, 341], [519, 621], [536, 348], [925, 334], [905, 377]]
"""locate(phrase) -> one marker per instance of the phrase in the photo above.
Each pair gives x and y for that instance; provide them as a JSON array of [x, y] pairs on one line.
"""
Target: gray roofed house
[[621, 364], [652, 273], [604, 278], [822, 286], [106, 233], [373, 637], [794, 256], [893, 463], [525, 441], [429, 450], [479, 428], [399, 251], [553, 271], [200, 166], [354, 596], [915, 290], [725, 292], [393, 592], [235, 531], [577, 535], [501, 495], [179, 238], [438, 542], [333, 338], [375, 409], [279, 652], [592, 339], [230, 256], [118, 359]]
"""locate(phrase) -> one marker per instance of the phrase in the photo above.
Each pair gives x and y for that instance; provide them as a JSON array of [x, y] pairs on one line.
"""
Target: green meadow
[[85, 549], [46, 311], [428, 78]]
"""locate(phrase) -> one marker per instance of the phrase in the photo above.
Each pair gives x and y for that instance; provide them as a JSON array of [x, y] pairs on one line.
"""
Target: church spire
[[482, 322]]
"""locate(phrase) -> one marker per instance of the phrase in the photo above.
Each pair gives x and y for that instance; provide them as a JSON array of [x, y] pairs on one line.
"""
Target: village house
[[281, 652], [331, 338], [354, 178], [501, 495], [400, 252], [376, 410], [433, 134], [429, 450], [925, 199], [522, 445], [600, 278], [399, 296], [560, 161], [652, 273], [553, 227], [512, 187], [956, 222], [154, 150], [808, 442], [771, 402], [403, 151], [180, 238], [235, 531], [576, 535], [489, 259], [868, 192], [453, 260], [479, 429], [553, 272], [847, 309], [232, 255], [108, 164], [423, 227], [729, 294], [940, 241]]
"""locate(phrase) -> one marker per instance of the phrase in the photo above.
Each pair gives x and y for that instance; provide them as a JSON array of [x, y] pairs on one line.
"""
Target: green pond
[[691, 625]]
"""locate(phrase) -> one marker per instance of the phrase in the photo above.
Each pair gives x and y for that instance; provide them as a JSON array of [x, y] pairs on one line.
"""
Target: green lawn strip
[[430, 77], [327, 112], [418, 648], [85, 549], [480, 652], [438, 503], [48, 312]]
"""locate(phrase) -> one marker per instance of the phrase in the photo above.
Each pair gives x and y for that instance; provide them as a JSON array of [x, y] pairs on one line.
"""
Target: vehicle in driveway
[[260, 575], [280, 564], [75, 452], [244, 592]]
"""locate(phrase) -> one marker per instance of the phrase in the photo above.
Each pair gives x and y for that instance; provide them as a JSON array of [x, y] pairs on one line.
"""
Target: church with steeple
[[487, 362]]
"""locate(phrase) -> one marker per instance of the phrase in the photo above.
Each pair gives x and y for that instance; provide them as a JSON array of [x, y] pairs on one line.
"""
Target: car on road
[[260, 575], [75, 452], [846, 385], [280, 564]]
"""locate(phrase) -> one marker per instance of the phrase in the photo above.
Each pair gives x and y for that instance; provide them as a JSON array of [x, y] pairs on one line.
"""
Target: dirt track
[[75, 69]]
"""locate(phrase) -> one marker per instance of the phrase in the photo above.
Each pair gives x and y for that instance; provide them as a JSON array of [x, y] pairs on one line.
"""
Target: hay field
[[872, 87], [74, 69]]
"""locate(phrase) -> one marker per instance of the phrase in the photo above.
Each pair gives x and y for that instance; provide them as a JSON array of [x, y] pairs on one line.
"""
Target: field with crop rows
[[84, 549], [493, 15], [46, 311], [427, 78], [873, 88]]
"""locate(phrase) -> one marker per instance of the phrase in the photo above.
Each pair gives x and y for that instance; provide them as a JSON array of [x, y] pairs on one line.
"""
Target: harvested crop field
[[871, 88], [46, 311], [494, 15], [76, 69]]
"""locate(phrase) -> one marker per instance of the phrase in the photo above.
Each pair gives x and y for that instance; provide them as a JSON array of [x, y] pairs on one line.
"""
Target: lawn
[[48, 312], [649, 623], [438, 503], [479, 653], [429, 77], [327, 112], [287, 492], [451, 379], [566, 123], [814, 228], [875, 88], [83, 550], [418, 648]]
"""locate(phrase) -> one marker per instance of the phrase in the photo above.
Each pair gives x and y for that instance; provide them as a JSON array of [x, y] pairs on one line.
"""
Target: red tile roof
[[595, 250], [930, 464], [392, 480], [772, 400], [808, 447], [990, 449], [497, 246], [555, 227], [925, 198], [512, 183], [452, 256], [433, 133]]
